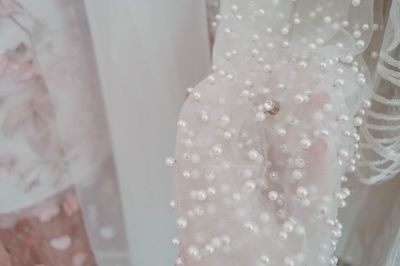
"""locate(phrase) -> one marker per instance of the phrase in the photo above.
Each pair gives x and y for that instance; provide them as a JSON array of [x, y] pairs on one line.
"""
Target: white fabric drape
[[148, 53]]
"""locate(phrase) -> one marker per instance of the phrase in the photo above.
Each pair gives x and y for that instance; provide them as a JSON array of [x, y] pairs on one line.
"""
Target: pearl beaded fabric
[[265, 140]]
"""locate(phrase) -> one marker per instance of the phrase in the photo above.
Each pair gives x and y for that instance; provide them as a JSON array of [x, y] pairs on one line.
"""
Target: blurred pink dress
[[57, 170]]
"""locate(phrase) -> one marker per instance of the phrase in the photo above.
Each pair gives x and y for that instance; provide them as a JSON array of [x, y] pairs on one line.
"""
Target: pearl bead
[[227, 30], [224, 121], [250, 185], [251, 227], [186, 174], [253, 155], [281, 132], [302, 192], [273, 195], [288, 227], [181, 124], [260, 116], [367, 104], [288, 262], [351, 169], [305, 143], [179, 262], [299, 99], [204, 117], [273, 176], [268, 105], [344, 153], [217, 150], [334, 261], [357, 34], [285, 44], [360, 44], [182, 222], [356, 136], [361, 80], [196, 96], [175, 241], [267, 68], [234, 8], [297, 174], [201, 195], [283, 235], [327, 19], [189, 90], [264, 259], [255, 38], [170, 161], [193, 252], [343, 118], [357, 121], [227, 135], [374, 55], [365, 27], [285, 30]]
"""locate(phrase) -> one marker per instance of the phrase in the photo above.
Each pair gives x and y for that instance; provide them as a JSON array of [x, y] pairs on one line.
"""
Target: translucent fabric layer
[[380, 133], [264, 142], [372, 237]]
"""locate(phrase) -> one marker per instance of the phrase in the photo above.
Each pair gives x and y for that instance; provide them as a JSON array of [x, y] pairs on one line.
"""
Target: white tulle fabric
[[255, 188], [380, 141], [372, 238]]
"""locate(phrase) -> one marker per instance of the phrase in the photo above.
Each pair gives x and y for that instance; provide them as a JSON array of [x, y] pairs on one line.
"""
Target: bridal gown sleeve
[[265, 140]]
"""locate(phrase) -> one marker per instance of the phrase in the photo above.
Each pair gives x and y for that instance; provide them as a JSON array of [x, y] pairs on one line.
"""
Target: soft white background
[[148, 53]]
